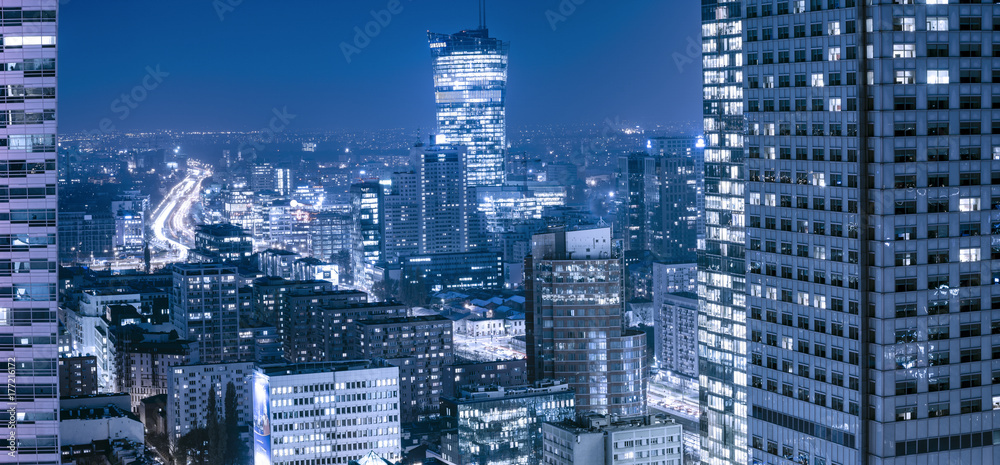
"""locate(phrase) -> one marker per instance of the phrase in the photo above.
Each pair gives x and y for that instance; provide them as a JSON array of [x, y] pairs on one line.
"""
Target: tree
[[216, 437], [236, 450], [192, 448]]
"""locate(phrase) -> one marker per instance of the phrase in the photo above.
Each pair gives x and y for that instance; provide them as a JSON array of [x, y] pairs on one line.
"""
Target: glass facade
[[470, 87], [28, 252], [574, 323], [503, 427], [722, 346], [871, 153]]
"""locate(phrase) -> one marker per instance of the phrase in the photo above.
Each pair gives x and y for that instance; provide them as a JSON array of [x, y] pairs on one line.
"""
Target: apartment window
[[904, 76]]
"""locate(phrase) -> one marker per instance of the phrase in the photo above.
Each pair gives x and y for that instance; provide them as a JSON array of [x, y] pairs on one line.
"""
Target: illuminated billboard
[[261, 420]]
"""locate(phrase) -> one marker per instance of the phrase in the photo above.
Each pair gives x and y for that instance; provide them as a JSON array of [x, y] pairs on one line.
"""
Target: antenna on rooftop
[[482, 14]]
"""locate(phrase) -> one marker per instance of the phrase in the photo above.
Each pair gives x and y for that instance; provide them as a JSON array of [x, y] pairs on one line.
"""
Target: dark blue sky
[[607, 59]]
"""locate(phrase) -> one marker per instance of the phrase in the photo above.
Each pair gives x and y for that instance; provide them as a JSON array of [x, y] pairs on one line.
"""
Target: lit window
[[968, 205], [970, 255], [937, 23], [937, 76]]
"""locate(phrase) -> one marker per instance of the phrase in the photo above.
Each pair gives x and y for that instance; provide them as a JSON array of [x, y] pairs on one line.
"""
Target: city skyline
[[225, 74]]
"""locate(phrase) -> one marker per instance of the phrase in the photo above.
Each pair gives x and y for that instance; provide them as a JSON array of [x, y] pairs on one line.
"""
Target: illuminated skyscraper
[[470, 86], [28, 251], [722, 331], [574, 324]]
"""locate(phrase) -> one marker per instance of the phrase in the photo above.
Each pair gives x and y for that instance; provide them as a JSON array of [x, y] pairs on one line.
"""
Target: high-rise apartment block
[[420, 346], [204, 306], [574, 322], [444, 200], [28, 322]]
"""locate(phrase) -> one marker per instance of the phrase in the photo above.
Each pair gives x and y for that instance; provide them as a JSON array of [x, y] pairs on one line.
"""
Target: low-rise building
[[333, 412], [489, 424], [597, 440]]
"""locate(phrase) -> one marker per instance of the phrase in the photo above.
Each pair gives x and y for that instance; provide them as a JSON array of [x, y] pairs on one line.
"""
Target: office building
[[130, 233], [659, 197], [867, 271], [444, 200], [424, 274], [83, 237], [368, 234], [496, 425], [470, 86], [204, 308], [420, 346], [639, 194], [333, 412], [402, 217], [599, 440], [330, 233], [574, 322], [685, 148], [722, 328], [223, 242]]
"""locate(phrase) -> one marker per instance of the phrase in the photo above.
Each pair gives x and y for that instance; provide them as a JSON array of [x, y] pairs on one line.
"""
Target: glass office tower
[[28, 251], [470, 87], [873, 238], [722, 345]]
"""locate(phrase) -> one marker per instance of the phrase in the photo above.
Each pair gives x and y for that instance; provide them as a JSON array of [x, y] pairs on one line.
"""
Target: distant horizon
[[193, 66]]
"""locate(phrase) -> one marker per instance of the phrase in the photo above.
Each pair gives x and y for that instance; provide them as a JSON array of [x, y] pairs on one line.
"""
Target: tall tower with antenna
[[470, 88]]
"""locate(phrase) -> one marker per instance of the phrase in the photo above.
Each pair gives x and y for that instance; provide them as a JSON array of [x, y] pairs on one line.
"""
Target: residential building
[[188, 388], [676, 328], [444, 200], [420, 346], [204, 308]]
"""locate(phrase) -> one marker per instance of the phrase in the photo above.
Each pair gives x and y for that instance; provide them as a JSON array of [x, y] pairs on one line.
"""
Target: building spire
[[482, 14]]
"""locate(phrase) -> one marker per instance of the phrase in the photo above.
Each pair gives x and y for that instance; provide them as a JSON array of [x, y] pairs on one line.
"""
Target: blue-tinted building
[[470, 86], [495, 425]]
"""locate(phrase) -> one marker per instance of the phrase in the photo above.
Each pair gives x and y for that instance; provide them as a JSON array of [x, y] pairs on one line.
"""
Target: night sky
[[614, 59]]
